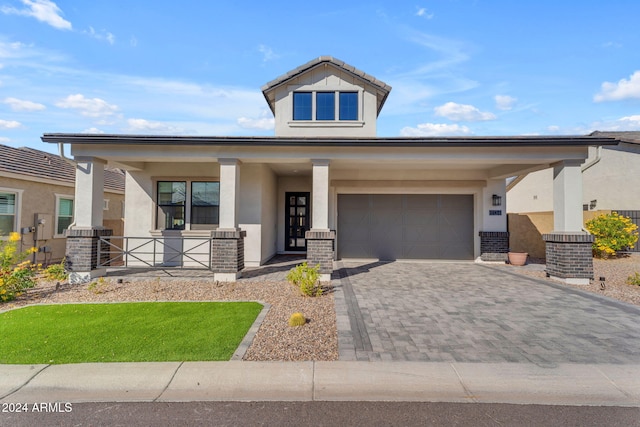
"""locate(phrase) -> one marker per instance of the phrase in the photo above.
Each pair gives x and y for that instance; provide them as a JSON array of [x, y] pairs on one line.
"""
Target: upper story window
[[302, 106], [7, 213], [325, 106]]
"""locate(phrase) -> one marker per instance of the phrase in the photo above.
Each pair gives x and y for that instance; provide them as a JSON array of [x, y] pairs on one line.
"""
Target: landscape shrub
[[306, 278], [612, 233], [634, 279], [56, 272], [16, 272]]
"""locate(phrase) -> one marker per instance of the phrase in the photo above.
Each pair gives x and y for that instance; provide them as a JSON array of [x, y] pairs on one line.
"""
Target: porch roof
[[462, 142]]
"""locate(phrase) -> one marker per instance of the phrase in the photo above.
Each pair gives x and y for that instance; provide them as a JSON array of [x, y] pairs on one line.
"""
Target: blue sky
[[457, 67]]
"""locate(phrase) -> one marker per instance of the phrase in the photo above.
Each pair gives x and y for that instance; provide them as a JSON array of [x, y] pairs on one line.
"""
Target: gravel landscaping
[[275, 340]]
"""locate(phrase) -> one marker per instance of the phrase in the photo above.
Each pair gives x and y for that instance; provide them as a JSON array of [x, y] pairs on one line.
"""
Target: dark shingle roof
[[39, 164], [381, 86], [632, 137]]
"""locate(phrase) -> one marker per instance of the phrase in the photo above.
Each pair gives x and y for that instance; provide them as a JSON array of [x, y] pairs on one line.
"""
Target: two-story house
[[324, 185]]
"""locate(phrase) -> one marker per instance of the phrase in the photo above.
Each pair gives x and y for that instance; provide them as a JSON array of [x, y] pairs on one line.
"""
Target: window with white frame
[[187, 205], [8, 211], [327, 105], [64, 213]]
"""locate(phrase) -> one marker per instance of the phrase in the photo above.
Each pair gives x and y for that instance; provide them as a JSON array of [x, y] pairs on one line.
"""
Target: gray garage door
[[405, 226]]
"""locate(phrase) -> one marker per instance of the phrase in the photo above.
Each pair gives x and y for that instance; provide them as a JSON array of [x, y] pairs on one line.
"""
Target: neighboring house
[[611, 182], [324, 185], [37, 198]]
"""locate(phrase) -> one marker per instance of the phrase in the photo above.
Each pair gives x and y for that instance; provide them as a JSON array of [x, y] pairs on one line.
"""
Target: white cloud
[[505, 102], [22, 105], [553, 128], [264, 123], [624, 89], [267, 53], [424, 13], [93, 130], [43, 10], [101, 35], [9, 124], [95, 107], [142, 125], [3, 139], [435, 129], [462, 112]]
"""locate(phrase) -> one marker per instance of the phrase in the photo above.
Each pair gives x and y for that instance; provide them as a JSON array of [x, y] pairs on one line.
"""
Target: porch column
[[568, 247], [320, 240], [83, 238], [227, 251]]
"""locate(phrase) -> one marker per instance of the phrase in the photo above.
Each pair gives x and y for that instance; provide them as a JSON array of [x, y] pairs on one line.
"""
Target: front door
[[297, 221]]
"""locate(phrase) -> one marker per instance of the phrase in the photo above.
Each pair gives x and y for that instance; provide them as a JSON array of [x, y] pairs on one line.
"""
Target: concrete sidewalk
[[564, 384]]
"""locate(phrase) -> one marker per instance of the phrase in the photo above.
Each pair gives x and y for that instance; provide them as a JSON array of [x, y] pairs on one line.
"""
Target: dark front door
[[297, 221]]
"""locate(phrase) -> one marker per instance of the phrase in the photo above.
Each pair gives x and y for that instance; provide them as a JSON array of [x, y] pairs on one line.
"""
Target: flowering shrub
[[16, 272], [56, 272], [612, 233]]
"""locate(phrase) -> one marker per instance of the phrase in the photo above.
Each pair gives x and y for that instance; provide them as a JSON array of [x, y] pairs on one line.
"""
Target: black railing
[[154, 252]]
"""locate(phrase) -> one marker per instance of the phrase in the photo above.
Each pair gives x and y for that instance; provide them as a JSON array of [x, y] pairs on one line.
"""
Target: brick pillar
[[569, 257], [82, 253], [227, 254], [320, 251], [494, 245]]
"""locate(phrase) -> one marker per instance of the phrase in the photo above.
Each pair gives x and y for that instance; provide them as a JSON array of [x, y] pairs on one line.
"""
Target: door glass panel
[[292, 211], [301, 243], [302, 200], [292, 200], [302, 211]]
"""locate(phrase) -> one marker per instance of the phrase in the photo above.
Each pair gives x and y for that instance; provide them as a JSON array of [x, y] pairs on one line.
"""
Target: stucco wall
[[40, 198], [326, 79], [526, 230]]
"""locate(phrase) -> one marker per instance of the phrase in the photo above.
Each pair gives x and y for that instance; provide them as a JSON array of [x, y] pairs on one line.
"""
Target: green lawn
[[124, 332]]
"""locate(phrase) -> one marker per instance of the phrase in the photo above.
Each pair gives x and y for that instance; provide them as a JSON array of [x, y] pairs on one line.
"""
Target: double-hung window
[[64, 213], [7, 213], [322, 106], [184, 205]]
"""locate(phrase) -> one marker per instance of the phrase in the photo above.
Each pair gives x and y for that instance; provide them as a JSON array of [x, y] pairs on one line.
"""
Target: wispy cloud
[[23, 105], [267, 53], [94, 107], [462, 113], [149, 126], [424, 13], [623, 89], [43, 10], [9, 124], [505, 102], [101, 35], [436, 129]]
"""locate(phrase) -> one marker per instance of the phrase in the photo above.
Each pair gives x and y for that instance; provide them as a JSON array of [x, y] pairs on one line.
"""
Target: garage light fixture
[[497, 200]]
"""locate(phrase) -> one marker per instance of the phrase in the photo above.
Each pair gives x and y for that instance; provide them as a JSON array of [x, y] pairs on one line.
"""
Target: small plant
[[306, 278], [297, 319], [634, 279], [16, 272], [99, 286], [56, 272], [612, 233]]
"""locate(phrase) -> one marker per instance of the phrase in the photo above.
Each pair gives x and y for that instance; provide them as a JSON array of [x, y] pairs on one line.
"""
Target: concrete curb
[[565, 384]]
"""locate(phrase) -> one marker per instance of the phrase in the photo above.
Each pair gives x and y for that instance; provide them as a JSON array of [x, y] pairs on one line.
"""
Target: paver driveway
[[467, 312]]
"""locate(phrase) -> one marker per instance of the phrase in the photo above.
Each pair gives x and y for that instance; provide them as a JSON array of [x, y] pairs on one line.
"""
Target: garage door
[[405, 226]]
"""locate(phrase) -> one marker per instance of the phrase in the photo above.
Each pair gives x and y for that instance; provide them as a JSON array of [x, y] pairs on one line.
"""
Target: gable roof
[[631, 137], [382, 88], [39, 164]]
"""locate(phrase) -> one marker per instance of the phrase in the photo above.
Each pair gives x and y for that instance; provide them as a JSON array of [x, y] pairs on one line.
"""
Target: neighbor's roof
[[632, 137], [380, 86], [39, 164]]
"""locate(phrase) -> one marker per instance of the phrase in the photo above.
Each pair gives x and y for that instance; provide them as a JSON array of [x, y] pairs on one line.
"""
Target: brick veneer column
[[227, 254], [569, 256], [494, 245], [320, 251], [82, 253]]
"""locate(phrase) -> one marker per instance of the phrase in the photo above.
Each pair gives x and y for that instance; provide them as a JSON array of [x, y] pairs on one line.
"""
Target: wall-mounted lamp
[[592, 204], [496, 200]]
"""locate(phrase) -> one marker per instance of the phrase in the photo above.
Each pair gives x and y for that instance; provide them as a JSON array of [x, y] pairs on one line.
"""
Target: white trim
[[18, 208], [57, 212], [105, 205]]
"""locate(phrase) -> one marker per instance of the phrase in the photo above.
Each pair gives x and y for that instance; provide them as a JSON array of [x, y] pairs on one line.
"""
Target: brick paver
[[466, 312]]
